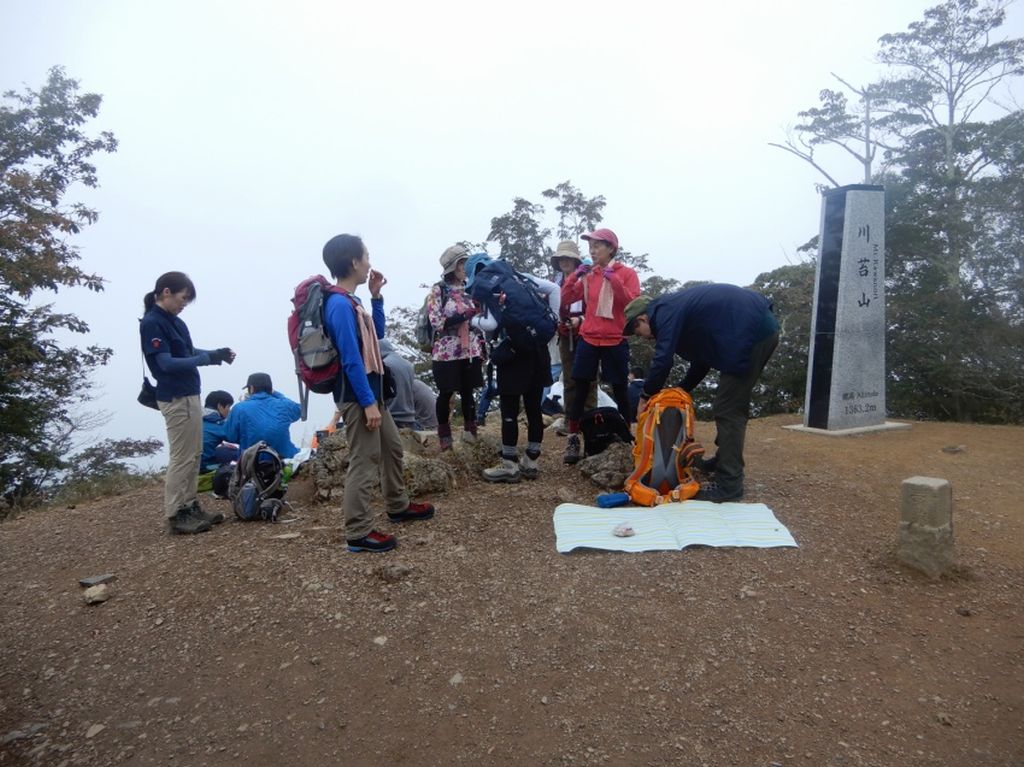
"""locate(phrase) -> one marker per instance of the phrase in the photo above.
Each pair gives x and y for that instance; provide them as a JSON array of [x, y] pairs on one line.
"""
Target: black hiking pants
[[731, 409]]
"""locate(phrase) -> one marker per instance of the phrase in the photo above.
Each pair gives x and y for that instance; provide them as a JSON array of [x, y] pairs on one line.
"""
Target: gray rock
[[94, 595], [610, 468]]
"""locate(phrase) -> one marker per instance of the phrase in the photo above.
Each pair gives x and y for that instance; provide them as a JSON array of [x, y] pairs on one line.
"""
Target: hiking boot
[[187, 522], [506, 471], [214, 518], [572, 450], [372, 541], [468, 437], [444, 436], [715, 493], [413, 512], [529, 468], [707, 465]]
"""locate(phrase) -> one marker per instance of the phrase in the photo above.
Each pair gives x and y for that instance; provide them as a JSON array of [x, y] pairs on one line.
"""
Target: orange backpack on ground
[[664, 451]]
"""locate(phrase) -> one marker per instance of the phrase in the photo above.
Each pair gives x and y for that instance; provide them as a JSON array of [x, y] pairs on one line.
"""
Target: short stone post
[[926, 526]]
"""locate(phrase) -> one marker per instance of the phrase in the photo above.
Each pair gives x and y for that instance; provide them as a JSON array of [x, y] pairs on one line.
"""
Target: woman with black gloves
[[174, 362]]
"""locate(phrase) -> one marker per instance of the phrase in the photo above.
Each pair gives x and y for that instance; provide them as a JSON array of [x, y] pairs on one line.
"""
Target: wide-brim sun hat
[[566, 249], [451, 257]]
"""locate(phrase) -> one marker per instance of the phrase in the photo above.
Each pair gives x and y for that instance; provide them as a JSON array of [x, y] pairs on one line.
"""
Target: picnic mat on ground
[[670, 526]]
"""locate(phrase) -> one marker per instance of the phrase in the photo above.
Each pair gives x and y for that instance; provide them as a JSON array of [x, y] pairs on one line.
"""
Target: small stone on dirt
[[393, 573], [94, 595], [456, 679], [95, 730]]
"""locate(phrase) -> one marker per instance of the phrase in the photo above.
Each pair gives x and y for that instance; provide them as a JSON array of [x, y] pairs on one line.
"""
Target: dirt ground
[[476, 643]]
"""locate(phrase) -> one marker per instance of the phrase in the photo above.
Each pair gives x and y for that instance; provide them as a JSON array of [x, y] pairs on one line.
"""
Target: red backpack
[[317, 363]]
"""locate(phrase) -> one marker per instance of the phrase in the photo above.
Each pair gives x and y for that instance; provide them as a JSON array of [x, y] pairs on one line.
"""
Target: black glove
[[218, 356], [455, 319]]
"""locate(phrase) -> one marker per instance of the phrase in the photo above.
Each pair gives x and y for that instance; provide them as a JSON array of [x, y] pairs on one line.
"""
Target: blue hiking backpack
[[513, 301]]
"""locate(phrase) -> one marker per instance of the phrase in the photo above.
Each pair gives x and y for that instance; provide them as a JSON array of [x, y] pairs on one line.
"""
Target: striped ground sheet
[[671, 526]]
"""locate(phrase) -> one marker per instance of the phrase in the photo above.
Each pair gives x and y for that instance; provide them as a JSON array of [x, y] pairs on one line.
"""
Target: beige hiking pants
[[184, 419], [372, 455]]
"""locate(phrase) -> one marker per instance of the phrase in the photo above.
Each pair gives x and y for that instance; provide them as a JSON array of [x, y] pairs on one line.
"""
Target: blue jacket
[[213, 434], [263, 416], [709, 326], [354, 383]]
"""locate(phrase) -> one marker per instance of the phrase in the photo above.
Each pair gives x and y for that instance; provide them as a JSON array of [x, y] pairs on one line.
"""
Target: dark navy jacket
[[709, 326], [161, 332]]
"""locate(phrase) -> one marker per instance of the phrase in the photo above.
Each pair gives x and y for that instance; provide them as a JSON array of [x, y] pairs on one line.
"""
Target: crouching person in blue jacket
[[265, 415], [217, 450], [374, 446]]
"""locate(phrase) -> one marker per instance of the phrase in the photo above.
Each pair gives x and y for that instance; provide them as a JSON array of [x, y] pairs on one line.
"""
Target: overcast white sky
[[251, 132]]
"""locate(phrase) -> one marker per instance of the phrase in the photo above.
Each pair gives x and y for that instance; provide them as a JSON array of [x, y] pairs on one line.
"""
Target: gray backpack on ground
[[256, 489]]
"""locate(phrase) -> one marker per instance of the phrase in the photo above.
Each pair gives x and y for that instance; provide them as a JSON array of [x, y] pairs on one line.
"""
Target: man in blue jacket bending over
[[265, 415], [718, 326]]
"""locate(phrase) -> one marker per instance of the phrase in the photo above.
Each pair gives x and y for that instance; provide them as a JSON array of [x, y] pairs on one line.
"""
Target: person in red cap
[[605, 288]]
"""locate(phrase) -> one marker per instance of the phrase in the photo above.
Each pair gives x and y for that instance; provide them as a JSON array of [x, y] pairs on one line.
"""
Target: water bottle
[[610, 500]]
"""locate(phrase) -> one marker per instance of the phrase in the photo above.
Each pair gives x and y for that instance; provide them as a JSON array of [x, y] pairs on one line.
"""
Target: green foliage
[[577, 214], [43, 152], [522, 238], [104, 486], [955, 200], [782, 386], [525, 240]]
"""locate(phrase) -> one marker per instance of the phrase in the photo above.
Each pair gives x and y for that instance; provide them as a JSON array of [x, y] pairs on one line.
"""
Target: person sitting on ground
[[425, 401], [375, 448], [217, 450], [403, 405], [265, 415], [724, 327]]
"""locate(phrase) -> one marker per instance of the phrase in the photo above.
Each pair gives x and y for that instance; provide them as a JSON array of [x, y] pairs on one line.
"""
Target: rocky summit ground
[[476, 643]]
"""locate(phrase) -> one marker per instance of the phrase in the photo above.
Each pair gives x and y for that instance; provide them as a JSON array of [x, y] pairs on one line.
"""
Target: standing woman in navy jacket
[[174, 362]]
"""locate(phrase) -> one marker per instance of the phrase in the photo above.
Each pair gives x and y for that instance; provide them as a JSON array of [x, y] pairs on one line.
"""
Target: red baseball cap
[[607, 235]]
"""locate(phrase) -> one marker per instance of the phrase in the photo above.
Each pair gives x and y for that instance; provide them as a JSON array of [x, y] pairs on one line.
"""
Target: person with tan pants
[[174, 362], [374, 446]]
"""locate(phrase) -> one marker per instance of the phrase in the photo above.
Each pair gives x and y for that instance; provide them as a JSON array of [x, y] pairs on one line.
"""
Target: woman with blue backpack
[[524, 310]]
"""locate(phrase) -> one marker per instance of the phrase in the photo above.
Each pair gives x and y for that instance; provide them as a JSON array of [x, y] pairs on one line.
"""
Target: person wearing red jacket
[[605, 288]]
